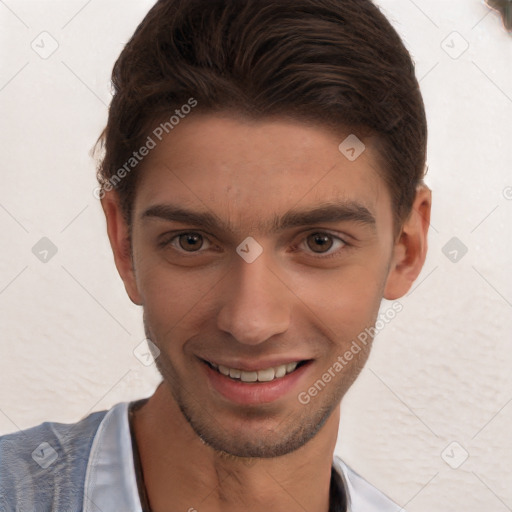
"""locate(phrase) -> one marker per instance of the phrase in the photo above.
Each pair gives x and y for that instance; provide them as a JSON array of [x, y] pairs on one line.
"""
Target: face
[[258, 249]]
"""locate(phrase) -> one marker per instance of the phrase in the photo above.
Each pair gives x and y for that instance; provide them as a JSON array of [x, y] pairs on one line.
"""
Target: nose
[[256, 303]]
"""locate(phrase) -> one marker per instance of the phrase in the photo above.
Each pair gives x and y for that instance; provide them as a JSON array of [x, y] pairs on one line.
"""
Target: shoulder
[[36, 462], [361, 495]]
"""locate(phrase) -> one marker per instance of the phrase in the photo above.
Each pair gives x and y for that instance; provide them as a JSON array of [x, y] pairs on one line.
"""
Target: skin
[[198, 449]]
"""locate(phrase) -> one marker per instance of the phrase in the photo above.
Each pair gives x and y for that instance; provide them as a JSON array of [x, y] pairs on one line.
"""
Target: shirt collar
[[111, 484]]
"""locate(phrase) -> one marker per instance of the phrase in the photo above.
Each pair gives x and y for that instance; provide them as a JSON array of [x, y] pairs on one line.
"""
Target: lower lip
[[253, 393]]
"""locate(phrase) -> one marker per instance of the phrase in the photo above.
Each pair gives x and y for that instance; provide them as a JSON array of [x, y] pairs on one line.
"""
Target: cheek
[[344, 302], [173, 299]]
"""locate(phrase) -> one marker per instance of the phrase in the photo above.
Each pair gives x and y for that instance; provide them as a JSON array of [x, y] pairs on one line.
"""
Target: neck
[[180, 469]]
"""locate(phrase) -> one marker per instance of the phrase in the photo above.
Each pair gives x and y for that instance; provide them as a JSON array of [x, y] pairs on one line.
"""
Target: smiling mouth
[[265, 375]]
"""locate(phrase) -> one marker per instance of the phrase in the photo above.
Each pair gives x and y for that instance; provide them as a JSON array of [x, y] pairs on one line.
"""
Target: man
[[262, 187]]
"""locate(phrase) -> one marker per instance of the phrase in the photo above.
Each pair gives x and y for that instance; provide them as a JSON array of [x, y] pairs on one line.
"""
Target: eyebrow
[[346, 211]]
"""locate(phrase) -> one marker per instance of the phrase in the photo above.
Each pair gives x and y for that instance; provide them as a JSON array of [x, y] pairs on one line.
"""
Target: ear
[[119, 236], [410, 249]]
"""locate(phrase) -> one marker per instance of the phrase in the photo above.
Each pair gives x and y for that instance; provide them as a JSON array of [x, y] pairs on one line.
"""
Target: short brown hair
[[338, 63]]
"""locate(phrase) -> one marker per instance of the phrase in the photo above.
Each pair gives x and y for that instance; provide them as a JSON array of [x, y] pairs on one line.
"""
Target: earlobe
[[119, 236], [410, 249]]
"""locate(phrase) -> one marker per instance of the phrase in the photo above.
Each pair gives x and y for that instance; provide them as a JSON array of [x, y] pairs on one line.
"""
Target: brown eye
[[319, 242], [190, 242]]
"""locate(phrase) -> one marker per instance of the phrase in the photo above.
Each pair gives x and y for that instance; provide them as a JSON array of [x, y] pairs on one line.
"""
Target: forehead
[[249, 172]]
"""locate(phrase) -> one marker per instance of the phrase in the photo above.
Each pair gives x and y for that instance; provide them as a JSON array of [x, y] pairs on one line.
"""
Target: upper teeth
[[264, 375]]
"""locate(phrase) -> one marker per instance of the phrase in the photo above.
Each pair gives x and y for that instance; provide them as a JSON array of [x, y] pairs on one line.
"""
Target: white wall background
[[439, 373]]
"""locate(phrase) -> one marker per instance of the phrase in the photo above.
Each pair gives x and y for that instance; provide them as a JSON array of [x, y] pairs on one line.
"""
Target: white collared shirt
[[111, 484]]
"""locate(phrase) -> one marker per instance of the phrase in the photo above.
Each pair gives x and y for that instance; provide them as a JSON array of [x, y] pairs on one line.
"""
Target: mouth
[[264, 375], [257, 386]]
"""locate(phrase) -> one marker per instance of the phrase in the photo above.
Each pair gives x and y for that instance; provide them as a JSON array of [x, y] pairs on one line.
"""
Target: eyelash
[[335, 253], [175, 236]]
